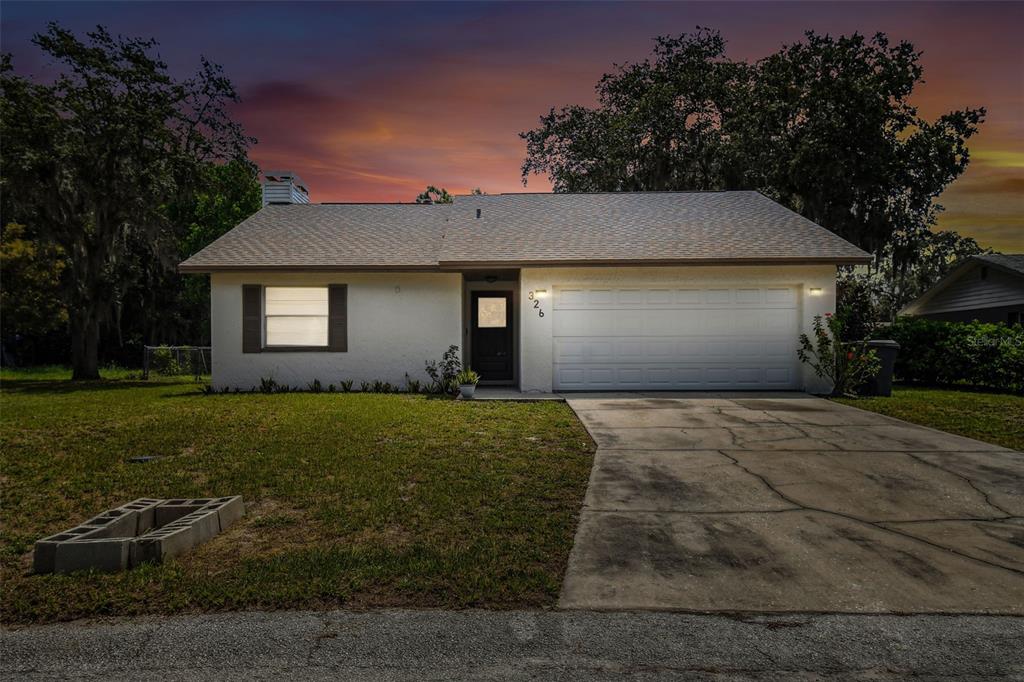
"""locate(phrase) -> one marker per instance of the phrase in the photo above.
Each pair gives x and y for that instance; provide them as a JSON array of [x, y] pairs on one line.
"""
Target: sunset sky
[[371, 102]]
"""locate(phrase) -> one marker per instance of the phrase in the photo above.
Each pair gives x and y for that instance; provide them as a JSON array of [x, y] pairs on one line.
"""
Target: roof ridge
[[637, 191]]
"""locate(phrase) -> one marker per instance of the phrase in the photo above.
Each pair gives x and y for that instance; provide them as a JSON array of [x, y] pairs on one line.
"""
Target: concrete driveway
[[786, 502]]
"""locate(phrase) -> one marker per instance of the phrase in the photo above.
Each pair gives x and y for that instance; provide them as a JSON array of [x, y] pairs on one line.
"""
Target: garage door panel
[[675, 337]]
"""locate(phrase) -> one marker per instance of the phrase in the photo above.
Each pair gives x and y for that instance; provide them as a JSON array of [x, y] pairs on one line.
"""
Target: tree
[[657, 125], [824, 126], [30, 275], [94, 159], [229, 194], [828, 130], [433, 195]]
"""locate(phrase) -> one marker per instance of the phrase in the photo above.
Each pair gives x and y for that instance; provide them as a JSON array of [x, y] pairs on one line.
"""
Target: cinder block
[[145, 513], [204, 524], [172, 510], [45, 551], [229, 510], [114, 523], [162, 543], [104, 554]]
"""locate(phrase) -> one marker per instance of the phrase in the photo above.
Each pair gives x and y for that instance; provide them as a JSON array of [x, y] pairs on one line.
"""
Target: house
[[563, 292], [987, 288]]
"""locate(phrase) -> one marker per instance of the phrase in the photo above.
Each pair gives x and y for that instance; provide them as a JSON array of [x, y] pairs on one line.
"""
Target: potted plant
[[467, 380]]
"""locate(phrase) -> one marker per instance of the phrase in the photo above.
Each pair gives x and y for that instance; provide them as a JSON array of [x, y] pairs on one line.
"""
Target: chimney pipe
[[284, 187]]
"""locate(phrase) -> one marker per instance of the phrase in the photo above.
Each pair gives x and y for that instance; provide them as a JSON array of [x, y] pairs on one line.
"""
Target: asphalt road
[[425, 645]]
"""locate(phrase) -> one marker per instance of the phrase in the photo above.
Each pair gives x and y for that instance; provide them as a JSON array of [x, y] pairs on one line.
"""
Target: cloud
[[998, 158]]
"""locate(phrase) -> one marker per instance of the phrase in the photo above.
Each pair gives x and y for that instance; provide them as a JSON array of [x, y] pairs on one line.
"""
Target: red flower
[[849, 356], [828, 314]]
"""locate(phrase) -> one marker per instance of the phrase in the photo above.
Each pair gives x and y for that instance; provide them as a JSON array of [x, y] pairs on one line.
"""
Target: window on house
[[490, 313], [295, 316]]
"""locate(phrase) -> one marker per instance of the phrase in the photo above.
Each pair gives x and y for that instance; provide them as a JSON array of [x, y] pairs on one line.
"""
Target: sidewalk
[[407, 645]]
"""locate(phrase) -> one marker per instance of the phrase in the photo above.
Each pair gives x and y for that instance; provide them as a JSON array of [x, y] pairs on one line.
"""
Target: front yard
[[990, 417], [355, 500]]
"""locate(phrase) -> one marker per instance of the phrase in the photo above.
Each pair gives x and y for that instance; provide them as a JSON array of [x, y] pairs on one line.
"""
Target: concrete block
[[145, 513], [114, 523], [159, 544], [103, 554], [172, 510], [204, 524], [229, 510], [45, 552]]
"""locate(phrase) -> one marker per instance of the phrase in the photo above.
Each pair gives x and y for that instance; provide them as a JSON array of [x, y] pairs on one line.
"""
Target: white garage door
[[675, 338]]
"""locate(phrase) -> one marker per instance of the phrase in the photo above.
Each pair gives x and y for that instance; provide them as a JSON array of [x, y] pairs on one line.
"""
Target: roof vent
[[478, 214], [284, 187]]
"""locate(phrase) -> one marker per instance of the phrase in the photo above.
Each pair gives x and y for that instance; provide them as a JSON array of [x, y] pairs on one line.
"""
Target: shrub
[[442, 374], [268, 385], [364, 386], [975, 353], [412, 385], [346, 385], [165, 362], [847, 365], [314, 386]]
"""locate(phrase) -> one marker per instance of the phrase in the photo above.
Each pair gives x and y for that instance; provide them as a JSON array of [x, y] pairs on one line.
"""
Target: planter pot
[[467, 391]]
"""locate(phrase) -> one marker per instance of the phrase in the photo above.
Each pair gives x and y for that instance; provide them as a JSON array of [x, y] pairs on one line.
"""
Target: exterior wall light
[[815, 291], [540, 293]]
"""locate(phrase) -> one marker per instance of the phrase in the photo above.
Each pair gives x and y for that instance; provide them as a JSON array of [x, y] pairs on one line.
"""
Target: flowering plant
[[846, 365]]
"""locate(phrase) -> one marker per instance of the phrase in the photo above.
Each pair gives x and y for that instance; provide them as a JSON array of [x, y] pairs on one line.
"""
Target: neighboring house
[[987, 288], [603, 291]]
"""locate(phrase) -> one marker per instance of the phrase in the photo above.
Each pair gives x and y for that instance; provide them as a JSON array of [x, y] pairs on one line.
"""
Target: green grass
[[352, 500], [990, 417]]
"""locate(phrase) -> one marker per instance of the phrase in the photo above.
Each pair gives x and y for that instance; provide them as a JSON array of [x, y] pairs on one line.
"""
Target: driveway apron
[[786, 502]]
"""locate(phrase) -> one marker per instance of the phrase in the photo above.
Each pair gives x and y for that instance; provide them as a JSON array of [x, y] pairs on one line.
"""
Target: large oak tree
[[825, 126], [94, 160]]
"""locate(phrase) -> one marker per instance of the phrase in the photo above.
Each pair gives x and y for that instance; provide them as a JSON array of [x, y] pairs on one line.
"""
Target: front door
[[491, 354]]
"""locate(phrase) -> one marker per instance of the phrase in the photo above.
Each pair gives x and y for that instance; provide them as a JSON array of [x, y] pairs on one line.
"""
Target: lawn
[[352, 500], [991, 417]]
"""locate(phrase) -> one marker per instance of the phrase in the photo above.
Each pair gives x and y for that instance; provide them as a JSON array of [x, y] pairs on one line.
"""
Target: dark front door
[[491, 335]]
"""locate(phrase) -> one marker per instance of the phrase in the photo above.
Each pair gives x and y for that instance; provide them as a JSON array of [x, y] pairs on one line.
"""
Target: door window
[[490, 313]]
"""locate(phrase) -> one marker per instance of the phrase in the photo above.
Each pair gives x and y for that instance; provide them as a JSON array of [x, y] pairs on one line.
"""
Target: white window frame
[[326, 317]]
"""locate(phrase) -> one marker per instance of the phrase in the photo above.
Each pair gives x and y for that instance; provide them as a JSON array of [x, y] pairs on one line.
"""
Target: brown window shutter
[[337, 314], [252, 318]]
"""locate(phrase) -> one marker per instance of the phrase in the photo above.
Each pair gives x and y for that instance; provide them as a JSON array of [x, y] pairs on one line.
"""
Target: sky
[[372, 102]]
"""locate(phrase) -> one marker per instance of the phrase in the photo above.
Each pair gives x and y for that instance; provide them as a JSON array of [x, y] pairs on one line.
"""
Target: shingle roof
[[1010, 261], [326, 236], [636, 226], [599, 228]]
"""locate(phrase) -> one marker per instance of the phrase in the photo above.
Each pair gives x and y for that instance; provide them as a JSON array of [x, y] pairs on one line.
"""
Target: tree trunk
[[85, 333]]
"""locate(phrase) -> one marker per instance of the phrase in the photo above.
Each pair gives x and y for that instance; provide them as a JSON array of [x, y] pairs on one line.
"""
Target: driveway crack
[[873, 524], [966, 479]]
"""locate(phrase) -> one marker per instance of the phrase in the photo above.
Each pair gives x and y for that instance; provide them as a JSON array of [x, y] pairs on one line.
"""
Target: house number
[[536, 304]]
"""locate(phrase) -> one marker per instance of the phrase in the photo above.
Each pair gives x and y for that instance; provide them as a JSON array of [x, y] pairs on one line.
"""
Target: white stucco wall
[[536, 332], [396, 322]]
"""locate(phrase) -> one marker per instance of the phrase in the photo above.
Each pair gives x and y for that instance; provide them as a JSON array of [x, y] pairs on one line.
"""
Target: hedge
[[975, 353]]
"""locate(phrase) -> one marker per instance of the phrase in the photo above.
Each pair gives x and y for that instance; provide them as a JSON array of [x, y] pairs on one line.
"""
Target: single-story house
[[540, 291], [987, 288]]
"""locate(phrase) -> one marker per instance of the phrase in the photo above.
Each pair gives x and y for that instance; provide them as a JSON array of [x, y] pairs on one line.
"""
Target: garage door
[[675, 338]]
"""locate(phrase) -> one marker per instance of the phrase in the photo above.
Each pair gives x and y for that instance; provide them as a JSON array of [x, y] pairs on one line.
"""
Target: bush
[[975, 353], [846, 365], [442, 375]]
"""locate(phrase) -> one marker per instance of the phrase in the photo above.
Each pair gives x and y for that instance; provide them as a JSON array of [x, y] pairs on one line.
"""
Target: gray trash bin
[[881, 384]]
